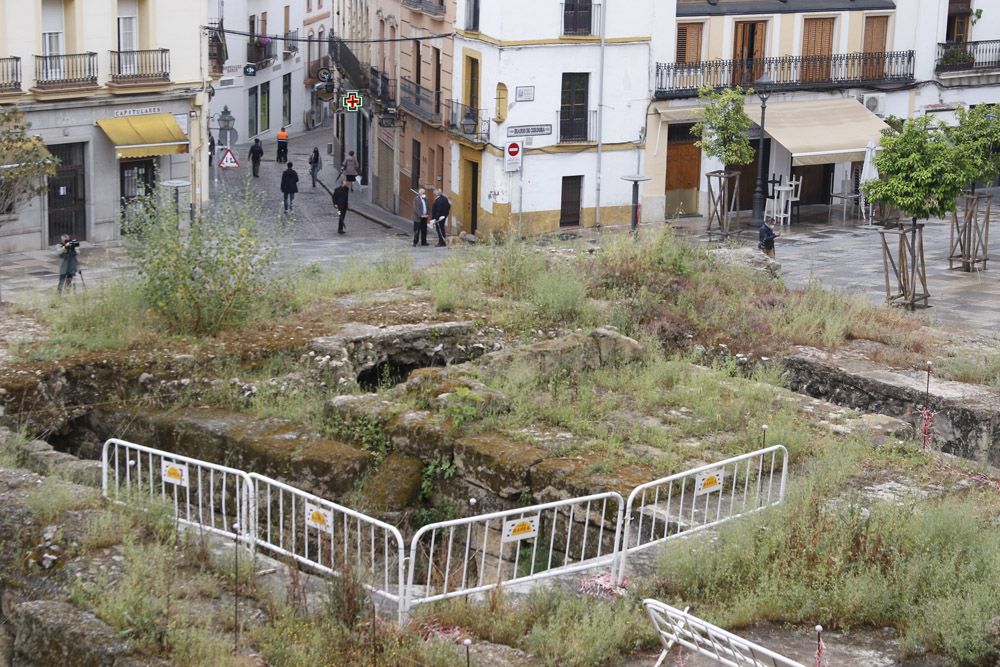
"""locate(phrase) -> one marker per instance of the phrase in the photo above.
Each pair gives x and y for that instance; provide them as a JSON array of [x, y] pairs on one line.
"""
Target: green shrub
[[204, 276], [53, 497], [509, 267], [560, 296]]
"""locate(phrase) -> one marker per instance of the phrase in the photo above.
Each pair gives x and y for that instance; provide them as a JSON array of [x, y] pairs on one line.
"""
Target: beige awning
[[820, 131], [680, 115]]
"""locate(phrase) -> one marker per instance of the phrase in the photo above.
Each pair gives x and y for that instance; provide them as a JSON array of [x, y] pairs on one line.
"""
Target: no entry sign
[[513, 153]]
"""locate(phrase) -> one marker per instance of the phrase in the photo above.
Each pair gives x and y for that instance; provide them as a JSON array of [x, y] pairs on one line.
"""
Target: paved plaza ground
[[845, 254]]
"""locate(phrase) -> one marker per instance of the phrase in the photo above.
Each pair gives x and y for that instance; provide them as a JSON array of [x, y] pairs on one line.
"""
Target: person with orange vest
[[282, 145]]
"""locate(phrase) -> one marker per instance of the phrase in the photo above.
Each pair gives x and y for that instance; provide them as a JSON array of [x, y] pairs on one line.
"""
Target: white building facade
[[262, 80], [116, 89], [572, 82]]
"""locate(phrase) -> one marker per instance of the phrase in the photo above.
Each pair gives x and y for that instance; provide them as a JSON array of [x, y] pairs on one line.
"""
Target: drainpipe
[[600, 112]]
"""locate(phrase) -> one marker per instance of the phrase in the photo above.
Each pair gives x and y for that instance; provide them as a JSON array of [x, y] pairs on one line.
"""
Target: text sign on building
[[520, 529], [513, 153], [524, 94], [249, 70], [709, 481], [529, 130], [140, 111]]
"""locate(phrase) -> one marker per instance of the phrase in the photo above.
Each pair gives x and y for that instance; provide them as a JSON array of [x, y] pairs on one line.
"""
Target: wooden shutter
[[688, 43], [876, 30], [817, 46]]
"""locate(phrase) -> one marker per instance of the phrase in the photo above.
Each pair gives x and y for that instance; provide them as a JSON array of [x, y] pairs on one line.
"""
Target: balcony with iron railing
[[290, 44], [348, 63], [218, 51], [968, 56], [419, 101], [261, 50], [577, 127], [434, 8], [468, 122], [581, 18], [382, 88], [10, 75], [129, 68], [845, 70], [66, 72]]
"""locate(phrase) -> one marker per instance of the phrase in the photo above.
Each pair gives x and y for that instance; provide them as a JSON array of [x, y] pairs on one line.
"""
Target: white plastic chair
[[794, 198]]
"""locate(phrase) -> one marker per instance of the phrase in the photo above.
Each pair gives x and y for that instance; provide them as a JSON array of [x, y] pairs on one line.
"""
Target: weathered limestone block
[[571, 353], [967, 417], [50, 633], [395, 485], [496, 463]]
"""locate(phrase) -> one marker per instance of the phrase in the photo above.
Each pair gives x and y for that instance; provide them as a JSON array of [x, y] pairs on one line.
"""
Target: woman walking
[[350, 168], [315, 164]]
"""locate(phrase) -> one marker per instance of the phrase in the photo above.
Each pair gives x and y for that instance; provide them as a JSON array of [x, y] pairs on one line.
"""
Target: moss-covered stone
[[496, 463], [395, 484]]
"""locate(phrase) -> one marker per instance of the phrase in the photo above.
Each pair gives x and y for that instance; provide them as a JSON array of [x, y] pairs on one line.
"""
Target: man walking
[[256, 155], [766, 237], [282, 145], [420, 213], [439, 214], [289, 186], [340, 195]]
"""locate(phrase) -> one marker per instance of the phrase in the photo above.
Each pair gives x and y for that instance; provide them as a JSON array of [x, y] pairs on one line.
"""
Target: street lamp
[[226, 122], [469, 122], [635, 180], [763, 89]]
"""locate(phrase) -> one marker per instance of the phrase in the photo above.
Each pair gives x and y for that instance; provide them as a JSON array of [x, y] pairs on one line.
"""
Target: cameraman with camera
[[68, 266]]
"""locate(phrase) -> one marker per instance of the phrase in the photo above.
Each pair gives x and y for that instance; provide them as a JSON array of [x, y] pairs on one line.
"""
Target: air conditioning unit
[[874, 102]]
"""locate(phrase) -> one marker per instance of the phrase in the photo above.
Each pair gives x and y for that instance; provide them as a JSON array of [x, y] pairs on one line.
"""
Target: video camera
[[72, 243]]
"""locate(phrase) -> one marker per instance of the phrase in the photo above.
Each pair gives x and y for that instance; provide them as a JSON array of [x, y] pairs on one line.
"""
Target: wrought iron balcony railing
[[787, 72], [137, 67], [261, 50], [422, 102], [433, 7], [74, 70], [10, 75], [472, 15], [382, 88], [581, 18], [575, 127], [963, 56], [353, 69], [469, 122], [218, 50], [291, 42]]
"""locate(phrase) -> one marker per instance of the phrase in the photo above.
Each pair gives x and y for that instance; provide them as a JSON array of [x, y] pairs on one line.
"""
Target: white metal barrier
[[679, 627], [702, 497], [205, 495], [465, 556], [328, 537]]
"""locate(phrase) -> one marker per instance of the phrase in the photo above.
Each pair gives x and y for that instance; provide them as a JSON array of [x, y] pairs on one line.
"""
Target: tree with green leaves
[[25, 162], [977, 135], [722, 130], [922, 171]]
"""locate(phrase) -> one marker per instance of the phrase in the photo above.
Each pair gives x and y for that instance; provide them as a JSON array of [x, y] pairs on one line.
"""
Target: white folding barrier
[[679, 627], [206, 495], [464, 556], [328, 537], [702, 498]]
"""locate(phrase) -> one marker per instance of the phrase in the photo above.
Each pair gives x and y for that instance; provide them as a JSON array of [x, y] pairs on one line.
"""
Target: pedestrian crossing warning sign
[[228, 160], [709, 481]]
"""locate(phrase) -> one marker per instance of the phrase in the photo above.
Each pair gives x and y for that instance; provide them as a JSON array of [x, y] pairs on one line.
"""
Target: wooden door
[[749, 50], [572, 199], [817, 47], [573, 108], [876, 36], [815, 183], [748, 176], [688, 43], [683, 172]]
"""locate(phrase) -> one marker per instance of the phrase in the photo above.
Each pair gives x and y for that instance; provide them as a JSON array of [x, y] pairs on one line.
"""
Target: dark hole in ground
[[385, 375], [79, 436]]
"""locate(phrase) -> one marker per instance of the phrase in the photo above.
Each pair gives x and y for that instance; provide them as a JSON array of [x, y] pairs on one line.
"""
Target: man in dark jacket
[[766, 239], [256, 153], [439, 214], [340, 196], [289, 186]]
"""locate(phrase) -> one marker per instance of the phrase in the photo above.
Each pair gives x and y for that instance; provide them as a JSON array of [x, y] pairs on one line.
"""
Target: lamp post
[[763, 89], [226, 121], [635, 180]]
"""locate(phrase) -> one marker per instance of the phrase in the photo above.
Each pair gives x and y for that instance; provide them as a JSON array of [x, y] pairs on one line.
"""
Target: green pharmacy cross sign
[[352, 100]]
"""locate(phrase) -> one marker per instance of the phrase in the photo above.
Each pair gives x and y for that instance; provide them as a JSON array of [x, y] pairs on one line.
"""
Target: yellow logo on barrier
[[174, 473], [520, 529], [319, 518], [709, 481]]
